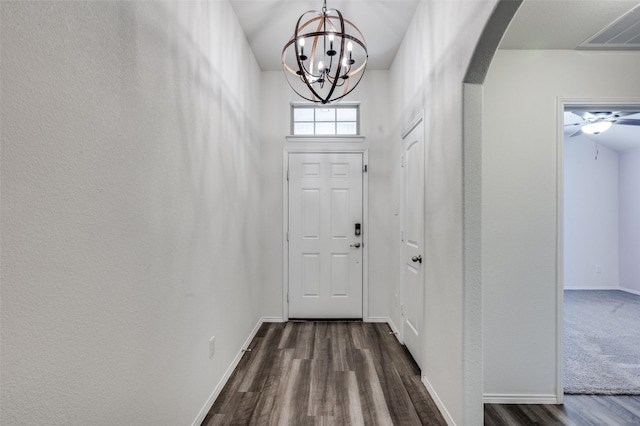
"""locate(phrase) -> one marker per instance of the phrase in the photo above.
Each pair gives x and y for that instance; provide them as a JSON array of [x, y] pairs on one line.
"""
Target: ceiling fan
[[596, 122]]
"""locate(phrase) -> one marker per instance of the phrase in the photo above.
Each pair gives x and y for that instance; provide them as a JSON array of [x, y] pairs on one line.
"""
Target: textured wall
[[519, 206], [427, 76], [590, 215], [629, 223], [130, 195]]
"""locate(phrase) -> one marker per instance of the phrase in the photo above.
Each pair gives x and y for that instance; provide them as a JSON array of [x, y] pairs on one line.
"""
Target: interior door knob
[[356, 245], [417, 258]]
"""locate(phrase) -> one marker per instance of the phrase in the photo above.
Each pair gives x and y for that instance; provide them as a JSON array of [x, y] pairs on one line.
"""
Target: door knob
[[356, 245], [417, 258]]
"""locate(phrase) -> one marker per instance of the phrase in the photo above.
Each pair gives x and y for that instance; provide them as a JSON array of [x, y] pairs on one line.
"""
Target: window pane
[[325, 128], [303, 114], [347, 114], [325, 114], [347, 128], [303, 128]]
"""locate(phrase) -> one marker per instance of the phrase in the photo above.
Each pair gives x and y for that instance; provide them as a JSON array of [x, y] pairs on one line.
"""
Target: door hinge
[[402, 161], [287, 175], [364, 168], [287, 235], [402, 236], [287, 297], [402, 310]]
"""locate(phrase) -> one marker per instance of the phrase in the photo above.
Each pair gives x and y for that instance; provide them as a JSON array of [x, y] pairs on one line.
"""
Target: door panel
[[413, 241], [325, 255]]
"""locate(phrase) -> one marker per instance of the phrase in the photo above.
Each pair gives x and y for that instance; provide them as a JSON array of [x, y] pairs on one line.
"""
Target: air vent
[[622, 34]]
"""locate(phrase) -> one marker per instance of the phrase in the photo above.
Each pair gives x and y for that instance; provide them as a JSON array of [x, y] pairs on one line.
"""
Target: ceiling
[[539, 24], [567, 24], [269, 24]]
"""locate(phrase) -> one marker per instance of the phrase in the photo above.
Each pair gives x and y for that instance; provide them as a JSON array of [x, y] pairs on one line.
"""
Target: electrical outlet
[[598, 269], [212, 347]]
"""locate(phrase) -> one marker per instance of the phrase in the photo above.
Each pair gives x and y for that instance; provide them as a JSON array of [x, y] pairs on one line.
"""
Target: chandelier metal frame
[[335, 68]]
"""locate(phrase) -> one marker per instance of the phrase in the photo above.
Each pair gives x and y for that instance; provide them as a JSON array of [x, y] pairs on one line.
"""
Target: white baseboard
[[272, 319], [378, 319], [628, 290], [438, 401], [579, 287], [223, 381], [490, 398]]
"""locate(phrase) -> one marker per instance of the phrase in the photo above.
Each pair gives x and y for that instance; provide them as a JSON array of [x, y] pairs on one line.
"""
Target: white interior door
[[325, 254], [413, 241]]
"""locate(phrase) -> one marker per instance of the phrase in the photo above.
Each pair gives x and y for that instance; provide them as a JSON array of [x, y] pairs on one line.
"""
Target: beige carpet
[[601, 342]]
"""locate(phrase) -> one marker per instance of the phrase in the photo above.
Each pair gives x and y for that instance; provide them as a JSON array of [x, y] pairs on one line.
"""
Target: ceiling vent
[[622, 34]]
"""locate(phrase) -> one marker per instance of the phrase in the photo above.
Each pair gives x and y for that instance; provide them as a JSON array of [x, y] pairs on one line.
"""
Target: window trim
[[324, 138]]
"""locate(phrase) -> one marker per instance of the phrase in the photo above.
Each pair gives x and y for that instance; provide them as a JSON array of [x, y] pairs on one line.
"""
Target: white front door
[[413, 240], [325, 235]]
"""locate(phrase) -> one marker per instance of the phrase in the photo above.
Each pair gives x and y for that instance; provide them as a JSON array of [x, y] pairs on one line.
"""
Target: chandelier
[[326, 57]]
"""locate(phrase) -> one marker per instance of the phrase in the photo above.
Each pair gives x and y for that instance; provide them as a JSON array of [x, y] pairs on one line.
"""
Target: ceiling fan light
[[597, 127]]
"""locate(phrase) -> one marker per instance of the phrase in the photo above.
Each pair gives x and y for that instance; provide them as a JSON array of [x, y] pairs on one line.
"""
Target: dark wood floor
[[578, 410], [354, 373], [325, 373]]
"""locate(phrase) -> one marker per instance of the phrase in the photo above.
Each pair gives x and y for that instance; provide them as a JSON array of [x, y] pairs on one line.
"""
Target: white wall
[[130, 156], [373, 93], [629, 223], [519, 206], [427, 75], [590, 214]]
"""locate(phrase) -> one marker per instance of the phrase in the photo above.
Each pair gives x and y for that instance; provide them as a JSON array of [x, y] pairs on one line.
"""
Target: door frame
[[329, 149], [562, 104]]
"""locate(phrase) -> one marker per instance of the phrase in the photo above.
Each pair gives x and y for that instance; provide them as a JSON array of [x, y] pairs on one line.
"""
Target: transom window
[[336, 120]]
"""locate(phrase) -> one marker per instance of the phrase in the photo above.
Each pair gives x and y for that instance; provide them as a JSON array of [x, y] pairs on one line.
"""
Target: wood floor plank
[[322, 394], [373, 397], [296, 397], [305, 340], [426, 409], [349, 411]]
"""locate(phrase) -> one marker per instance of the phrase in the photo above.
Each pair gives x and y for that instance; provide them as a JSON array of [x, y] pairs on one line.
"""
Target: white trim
[[496, 398], [563, 103], [326, 149], [272, 319], [324, 139], [441, 407], [225, 378], [559, 314], [382, 320], [285, 234], [628, 290], [583, 287]]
